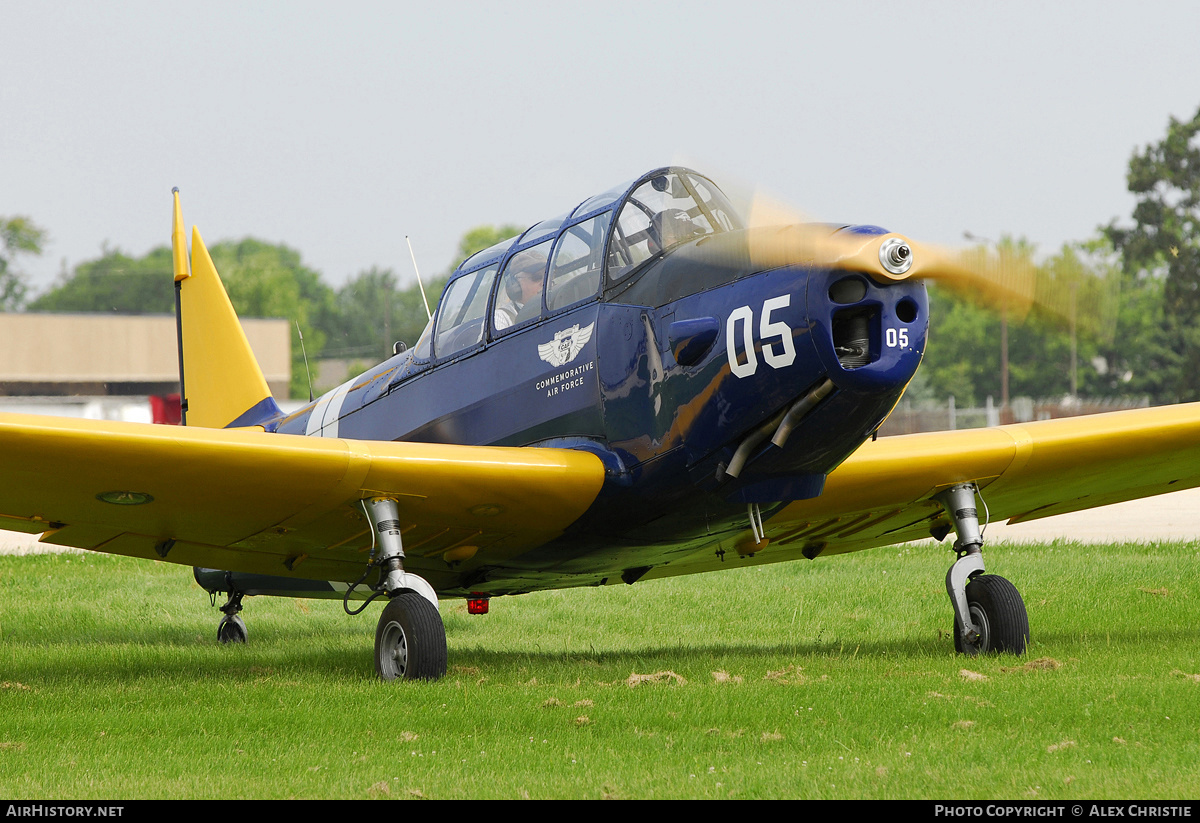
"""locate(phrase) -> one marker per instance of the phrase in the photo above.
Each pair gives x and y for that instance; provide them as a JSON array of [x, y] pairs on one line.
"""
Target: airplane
[[642, 387]]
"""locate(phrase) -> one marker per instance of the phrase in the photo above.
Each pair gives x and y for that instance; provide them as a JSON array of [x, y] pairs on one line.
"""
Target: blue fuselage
[[666, 393]]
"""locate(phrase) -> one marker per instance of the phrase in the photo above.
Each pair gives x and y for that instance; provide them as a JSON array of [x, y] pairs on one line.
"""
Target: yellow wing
[[281, 504], [883, 494], [284, 505], [289, 506]]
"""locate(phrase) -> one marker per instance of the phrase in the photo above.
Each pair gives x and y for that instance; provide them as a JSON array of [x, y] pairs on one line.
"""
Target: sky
[[341, 128]]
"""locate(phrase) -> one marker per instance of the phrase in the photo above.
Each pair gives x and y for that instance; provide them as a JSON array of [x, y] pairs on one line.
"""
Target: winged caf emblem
[[566, 345]]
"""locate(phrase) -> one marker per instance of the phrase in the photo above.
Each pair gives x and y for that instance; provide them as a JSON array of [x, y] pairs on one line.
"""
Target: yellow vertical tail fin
[[221, 383]]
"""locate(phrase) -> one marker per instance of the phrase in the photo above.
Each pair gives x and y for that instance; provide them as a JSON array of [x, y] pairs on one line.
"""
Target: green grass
[[835, 679]]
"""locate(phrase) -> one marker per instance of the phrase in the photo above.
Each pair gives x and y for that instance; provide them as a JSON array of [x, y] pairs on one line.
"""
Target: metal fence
[[909, 419]]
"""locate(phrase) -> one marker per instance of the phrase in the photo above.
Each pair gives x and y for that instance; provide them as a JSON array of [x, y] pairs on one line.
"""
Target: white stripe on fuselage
[[323, 422]]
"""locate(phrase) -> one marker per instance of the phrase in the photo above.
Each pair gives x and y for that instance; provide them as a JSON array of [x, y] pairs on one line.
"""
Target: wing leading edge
[[883, 494], [281, 504], [288, 505], [1030, 470]]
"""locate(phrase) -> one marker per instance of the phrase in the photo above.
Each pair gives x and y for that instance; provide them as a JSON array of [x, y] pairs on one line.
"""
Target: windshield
[[667, 210]]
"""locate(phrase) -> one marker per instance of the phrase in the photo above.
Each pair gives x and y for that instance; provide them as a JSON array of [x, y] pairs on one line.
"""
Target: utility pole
[[1004, 360], [1003, 339], [1074, 348]]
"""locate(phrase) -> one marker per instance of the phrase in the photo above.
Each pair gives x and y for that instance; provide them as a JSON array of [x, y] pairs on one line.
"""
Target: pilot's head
[[674, 227], [526, 273]]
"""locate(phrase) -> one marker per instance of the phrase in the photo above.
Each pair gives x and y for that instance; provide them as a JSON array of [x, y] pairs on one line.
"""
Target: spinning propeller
[[1004, 278]]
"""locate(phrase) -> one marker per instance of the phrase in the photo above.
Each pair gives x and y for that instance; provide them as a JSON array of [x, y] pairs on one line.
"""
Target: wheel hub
[[399, 649], [982, 642]]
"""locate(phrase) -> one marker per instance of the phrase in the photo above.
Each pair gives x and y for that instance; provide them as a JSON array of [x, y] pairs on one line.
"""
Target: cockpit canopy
[[663, 211], [568, 260]]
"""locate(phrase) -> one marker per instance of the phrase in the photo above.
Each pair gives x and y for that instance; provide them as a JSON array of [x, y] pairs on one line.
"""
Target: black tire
[[231, 629], [410, 641], [997, 608]]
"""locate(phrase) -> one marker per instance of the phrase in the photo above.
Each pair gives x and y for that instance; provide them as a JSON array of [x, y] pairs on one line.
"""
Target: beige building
[[114, 354]]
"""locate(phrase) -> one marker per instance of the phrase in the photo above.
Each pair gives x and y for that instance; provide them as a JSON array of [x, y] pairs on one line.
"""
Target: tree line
[[361, 320], [1120, 318], [1132, 292]]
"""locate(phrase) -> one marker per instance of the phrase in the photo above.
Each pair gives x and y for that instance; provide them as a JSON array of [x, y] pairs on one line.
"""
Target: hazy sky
[[338, 128]]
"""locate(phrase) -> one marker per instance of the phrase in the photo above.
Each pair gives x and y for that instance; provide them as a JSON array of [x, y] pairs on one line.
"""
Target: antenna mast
[[425, 299], [305, 353]]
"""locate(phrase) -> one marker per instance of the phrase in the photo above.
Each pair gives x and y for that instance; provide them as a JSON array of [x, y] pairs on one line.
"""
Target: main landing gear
[[232, 629], [410, 640], [989, 615]]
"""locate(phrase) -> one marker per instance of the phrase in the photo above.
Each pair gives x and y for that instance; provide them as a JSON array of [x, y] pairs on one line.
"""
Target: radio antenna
[[305, 353], [425, 299]]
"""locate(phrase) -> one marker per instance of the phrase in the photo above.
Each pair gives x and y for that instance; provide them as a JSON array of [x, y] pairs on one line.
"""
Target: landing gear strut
[[989, 615], [232, 629], [410, 640]]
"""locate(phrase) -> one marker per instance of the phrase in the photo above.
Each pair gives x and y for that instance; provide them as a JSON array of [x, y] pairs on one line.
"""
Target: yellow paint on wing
[[1023, 468], [258, 495]]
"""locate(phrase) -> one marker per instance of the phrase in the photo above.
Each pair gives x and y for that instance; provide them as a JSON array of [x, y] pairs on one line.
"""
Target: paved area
[[17, 543], [1166, 517]]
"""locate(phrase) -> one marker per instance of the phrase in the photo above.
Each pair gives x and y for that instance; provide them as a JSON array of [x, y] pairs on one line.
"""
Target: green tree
[[115, 282], [1164, 243], [266, 280], [373, 313], [18, 235], [362, 319], [968, 328], [262, 279], [962, 355], [1123, 334], [363, 316], [1071, 318], [481, 237]]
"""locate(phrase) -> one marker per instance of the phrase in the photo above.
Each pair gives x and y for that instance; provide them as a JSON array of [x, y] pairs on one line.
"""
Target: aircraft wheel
[[410, 641], [231, 629], [999, 612]]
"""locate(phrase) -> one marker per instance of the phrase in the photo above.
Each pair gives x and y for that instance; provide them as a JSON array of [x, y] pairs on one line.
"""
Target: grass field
[[830, 679]]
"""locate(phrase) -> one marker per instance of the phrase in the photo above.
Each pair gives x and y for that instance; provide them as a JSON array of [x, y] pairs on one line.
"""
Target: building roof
[[49, 348]]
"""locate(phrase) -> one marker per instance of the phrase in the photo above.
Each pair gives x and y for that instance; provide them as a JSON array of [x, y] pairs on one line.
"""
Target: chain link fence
[[907, 418]]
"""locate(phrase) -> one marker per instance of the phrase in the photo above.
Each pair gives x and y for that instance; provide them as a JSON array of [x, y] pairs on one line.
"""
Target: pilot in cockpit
[[520, 297], [675, 227]]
